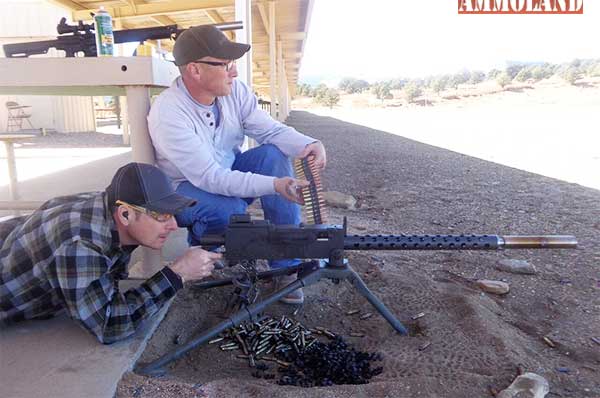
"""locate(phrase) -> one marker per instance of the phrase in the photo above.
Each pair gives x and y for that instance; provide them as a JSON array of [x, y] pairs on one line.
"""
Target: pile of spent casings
[[325, 364], [301, 359]]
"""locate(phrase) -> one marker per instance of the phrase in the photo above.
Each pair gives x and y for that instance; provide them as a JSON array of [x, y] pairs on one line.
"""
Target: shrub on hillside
[[319, 92], [397, 84], [513, 70], [477, 77], [352, 85], [493, 74], [538, 73], [459, 78], [439, 84], [571, 74], [503, 79], [590, 67], [304, 90], [523, 75], [382, 90], [331, 98], [412, 91]]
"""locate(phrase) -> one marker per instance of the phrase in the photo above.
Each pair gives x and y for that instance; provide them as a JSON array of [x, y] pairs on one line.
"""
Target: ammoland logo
[[520, 6]]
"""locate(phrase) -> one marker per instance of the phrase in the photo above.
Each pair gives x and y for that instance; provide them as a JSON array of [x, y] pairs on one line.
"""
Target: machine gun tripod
[[247, 240]]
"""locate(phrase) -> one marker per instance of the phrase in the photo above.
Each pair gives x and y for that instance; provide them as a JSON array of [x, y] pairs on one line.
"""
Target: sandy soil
[[478, 341]]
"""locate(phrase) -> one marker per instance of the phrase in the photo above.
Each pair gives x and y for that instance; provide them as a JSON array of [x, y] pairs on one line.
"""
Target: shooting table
[[137, 78]]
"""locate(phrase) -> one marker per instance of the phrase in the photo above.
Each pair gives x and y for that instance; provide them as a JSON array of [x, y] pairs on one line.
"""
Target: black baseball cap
[[205, 41], [146, 186]]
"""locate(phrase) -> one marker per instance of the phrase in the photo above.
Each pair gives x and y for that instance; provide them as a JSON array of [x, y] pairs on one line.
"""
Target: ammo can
[[104, 33]]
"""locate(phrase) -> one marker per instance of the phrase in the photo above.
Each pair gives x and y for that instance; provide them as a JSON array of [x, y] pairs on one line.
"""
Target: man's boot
[[295, 297]]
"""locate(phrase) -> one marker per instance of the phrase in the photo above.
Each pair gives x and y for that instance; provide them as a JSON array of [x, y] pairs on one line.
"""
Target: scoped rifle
[[80, 38], [248, 240]]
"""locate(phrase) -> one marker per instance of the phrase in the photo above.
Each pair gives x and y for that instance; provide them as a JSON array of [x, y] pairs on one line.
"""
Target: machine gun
[[247, 240], [80, 38]]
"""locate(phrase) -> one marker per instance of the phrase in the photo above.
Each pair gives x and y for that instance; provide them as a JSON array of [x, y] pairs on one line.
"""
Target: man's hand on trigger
[[196, 263], [318, 151], [290, 188]]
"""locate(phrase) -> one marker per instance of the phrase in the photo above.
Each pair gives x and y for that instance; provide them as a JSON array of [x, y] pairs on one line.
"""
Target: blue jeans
[[212, 212]]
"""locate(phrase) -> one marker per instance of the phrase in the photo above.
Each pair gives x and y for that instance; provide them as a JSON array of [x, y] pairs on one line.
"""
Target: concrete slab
[[57, 358]]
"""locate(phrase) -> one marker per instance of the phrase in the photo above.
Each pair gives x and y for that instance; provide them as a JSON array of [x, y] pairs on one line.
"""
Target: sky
[[382, 39]]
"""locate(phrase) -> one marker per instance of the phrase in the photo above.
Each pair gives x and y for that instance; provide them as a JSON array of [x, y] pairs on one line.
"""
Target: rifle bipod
[[308, 273]]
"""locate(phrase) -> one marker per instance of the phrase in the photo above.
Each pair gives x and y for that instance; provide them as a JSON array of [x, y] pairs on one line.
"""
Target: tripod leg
[[156, 367], [360, 285]]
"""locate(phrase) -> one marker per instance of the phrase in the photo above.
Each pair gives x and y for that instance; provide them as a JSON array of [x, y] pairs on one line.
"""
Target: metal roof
[[292, 18]]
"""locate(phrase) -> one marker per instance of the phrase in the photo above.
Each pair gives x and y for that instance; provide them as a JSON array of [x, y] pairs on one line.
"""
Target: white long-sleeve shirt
[[190, 147]]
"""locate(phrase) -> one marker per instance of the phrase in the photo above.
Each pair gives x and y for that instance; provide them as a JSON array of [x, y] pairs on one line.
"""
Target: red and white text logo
[[520, 6]]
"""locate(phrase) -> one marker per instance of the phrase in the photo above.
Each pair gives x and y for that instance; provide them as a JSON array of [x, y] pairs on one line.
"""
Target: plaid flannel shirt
[[66, 255]]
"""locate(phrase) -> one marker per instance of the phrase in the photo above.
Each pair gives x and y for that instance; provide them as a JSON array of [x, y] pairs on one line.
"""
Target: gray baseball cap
[[205, 41], [147, 186]]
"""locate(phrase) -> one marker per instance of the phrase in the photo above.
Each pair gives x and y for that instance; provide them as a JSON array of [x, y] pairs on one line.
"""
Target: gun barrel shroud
[[441, 242], [257, 239], [458, 242]]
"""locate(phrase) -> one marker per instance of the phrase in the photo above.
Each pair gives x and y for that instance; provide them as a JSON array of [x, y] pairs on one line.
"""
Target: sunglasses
[[160, 217], [226, 65]]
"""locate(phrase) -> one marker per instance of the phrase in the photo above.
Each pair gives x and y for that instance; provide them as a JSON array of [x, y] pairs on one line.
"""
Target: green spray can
[[104, 33]]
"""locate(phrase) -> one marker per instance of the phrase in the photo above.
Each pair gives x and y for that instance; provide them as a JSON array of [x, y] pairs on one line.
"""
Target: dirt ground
[[478, 342]]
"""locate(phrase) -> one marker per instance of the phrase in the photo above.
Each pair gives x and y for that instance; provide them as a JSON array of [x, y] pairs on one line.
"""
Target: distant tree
[[345, 83], [591, 67], [374, 88], [477, 77], [421, 83], [331, 98], [303, 89], [538, 73], [503, 79], [308, 91], [523, 75], [319, 92], [459, 78], [553, 69], [571, 74], [493, 74], [397, 84], [412, 91], [352, 85], [513, 70], [360, 85], [465, 76], [438, 84], [382, 91]]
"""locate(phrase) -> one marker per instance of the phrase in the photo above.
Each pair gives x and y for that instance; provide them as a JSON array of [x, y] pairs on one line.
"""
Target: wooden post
[[243, 12]]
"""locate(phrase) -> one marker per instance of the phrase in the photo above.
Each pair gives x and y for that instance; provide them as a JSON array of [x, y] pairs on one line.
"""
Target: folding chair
[[16, 116]]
